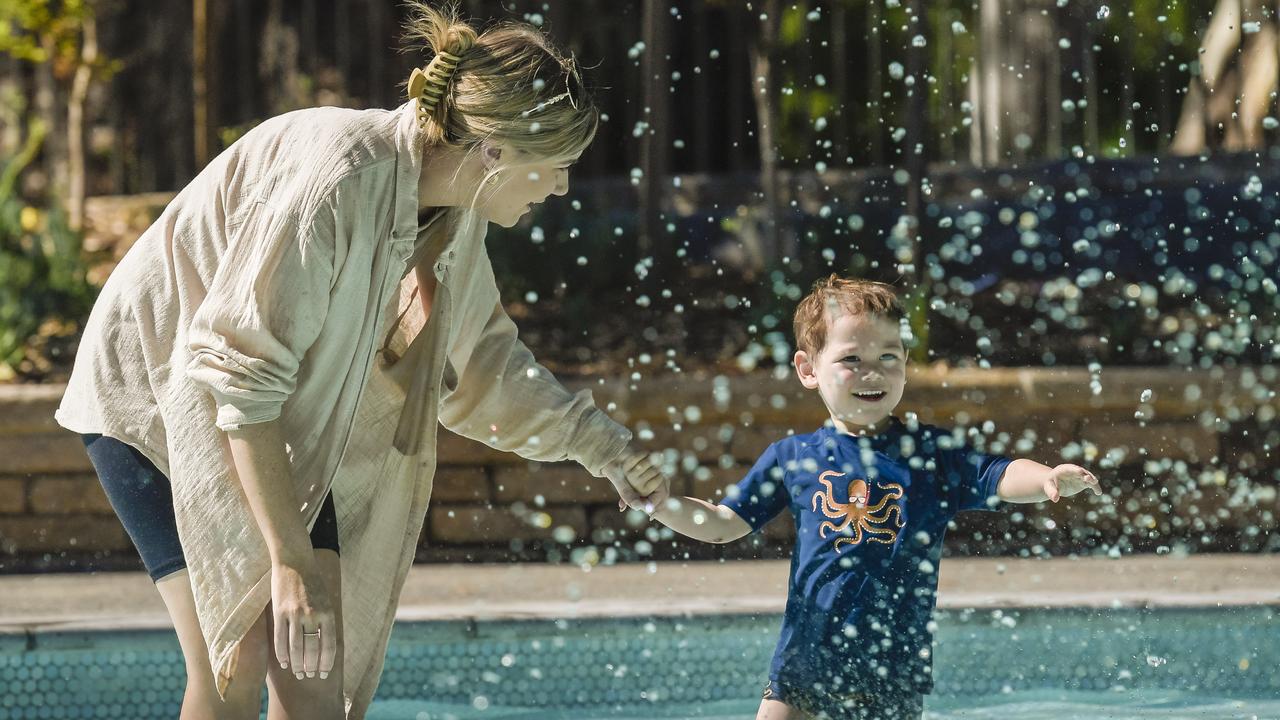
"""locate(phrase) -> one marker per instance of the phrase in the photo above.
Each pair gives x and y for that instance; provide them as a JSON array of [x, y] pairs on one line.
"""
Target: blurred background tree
[[748, 145], [49, 51]]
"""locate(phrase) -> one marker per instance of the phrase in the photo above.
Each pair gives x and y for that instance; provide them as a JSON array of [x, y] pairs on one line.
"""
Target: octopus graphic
[[856, 515]]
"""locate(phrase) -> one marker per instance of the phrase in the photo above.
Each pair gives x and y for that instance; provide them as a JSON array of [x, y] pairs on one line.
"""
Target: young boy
[[871, 496]]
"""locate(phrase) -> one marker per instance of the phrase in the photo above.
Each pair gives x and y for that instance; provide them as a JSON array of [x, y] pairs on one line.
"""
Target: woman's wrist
[[296, 554]]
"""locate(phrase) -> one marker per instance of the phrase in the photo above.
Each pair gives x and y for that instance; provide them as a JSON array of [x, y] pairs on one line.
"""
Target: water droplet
[[1252, 189], [1104, 12]]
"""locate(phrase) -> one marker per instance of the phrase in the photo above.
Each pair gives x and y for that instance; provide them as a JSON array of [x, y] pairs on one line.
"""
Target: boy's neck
[[877, 428]]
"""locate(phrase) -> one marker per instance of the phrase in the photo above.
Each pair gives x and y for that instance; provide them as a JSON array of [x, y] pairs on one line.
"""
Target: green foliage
[[42, 270], [42, 31]]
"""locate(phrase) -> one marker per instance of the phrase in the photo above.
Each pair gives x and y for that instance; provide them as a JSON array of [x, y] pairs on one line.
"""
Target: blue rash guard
[[870, 514]]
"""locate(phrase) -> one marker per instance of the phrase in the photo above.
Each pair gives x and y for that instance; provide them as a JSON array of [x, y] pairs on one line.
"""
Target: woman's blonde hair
[[511, 85]]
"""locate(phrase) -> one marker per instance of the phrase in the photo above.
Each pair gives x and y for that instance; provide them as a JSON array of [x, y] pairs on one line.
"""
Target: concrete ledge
[[127, 601]]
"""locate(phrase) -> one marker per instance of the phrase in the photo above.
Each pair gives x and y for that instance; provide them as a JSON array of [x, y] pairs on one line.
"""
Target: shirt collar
[[408, 170], [880, 441]]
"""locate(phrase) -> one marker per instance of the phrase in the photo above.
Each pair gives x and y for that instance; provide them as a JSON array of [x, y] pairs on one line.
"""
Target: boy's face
[[861, 371]]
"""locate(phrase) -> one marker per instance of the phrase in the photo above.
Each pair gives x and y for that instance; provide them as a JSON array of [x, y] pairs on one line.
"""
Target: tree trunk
[[944, 60], [702, 92], [1090, 75], [1164, 110], [653, 143], [376, 42], [342, 44], [977, 112], [1020, 97], [1053, 91], [875, 80], [762, 87], [738, 71], [916, 141], [76, 123], [245, 62], [840, 125], [989, 46], [202, 130], [307, 37], [917, 153], [1128, 92], [54, 181], [12, 84]]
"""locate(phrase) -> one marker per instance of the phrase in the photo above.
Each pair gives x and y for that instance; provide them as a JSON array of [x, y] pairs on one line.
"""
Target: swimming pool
[[992, 663]]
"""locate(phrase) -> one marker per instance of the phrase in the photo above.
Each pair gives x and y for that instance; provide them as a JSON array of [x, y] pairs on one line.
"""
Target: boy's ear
[[804, 370]]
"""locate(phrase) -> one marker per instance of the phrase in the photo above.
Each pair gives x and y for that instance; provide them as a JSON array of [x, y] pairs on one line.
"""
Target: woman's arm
[[701, 520], [263, 468], [506, 400], [299, 603]]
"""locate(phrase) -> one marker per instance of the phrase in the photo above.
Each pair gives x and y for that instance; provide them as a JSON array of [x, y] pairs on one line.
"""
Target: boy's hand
[[640, 485], [1066, 480]]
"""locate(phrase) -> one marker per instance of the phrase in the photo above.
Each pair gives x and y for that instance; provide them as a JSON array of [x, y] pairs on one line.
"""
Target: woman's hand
[[306, 636], [639, 483]]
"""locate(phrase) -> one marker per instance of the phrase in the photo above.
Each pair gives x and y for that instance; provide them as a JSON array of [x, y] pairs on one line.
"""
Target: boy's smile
[[860, 372]]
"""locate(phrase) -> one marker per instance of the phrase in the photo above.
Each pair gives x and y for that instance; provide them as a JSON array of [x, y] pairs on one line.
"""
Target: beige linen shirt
[[265, 291]]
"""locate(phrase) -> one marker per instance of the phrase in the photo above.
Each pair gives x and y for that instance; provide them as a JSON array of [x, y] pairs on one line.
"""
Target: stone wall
[[1189, 459]]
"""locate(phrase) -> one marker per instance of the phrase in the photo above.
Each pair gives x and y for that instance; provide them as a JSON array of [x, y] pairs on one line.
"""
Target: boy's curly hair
[[856, 297]]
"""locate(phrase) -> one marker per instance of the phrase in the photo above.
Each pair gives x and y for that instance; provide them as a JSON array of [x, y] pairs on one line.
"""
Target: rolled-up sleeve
[[265, 307], [506, 400]]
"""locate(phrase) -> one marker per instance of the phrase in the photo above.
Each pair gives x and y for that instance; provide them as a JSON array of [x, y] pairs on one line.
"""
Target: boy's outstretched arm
[[1027, 481], [701, 520]]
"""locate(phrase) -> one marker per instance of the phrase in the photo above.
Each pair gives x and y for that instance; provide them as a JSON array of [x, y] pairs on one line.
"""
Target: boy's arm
[[701, 520], [1027, 481]]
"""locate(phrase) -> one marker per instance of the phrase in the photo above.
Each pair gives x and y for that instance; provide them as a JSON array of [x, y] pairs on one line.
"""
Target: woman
[[264, 372]]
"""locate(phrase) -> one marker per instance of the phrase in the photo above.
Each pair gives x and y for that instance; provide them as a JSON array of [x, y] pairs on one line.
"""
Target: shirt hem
[[85, 426]]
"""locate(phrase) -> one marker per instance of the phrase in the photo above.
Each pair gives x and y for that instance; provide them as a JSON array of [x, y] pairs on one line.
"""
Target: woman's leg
[[310, 698], [143, 499], [201, 701]]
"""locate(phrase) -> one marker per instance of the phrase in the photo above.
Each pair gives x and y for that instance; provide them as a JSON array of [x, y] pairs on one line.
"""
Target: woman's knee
[[243, 695], [309, 698]]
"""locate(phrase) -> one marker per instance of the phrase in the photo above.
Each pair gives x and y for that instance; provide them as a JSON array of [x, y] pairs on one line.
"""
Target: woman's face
[[521, 184]]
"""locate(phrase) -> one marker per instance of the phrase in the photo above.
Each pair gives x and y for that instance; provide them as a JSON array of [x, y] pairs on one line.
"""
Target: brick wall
[[1194, 467]]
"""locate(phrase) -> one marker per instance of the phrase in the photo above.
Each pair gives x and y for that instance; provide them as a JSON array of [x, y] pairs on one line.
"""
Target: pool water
[[1214, 663], [1024, 705]]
